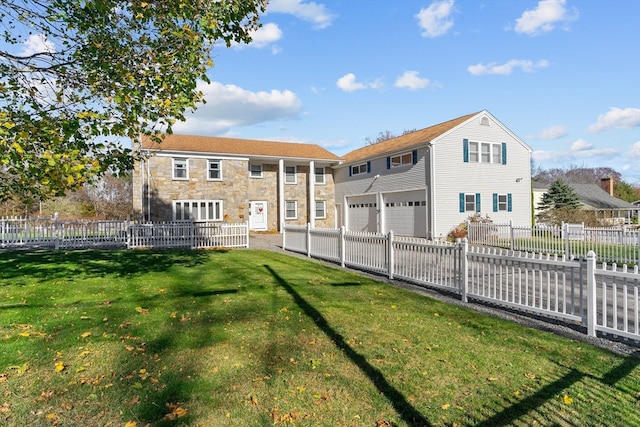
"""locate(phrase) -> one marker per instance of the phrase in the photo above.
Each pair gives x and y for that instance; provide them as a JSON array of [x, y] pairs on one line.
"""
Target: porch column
[[281, 206], [312, 193]]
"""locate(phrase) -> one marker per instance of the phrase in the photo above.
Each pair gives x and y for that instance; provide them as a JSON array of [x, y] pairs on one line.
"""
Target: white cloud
[[230, 106], [263, 37], [411, 81], [544, 18], [37, 43], [435, 20], [579, 150], [581, 145], [634, 153], [348, 83], [507, 68], [313, 12], [626, 118], [554, 132]]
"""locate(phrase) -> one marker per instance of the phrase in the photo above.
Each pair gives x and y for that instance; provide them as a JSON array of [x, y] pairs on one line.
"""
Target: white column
[[281, 194], [312, 193]]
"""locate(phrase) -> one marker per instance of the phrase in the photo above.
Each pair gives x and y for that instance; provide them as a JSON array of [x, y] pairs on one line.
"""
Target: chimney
[[607, 185]]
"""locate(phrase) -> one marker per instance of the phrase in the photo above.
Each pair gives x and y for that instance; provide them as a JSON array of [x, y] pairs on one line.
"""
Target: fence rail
[[52, 233], [601, 299], [612, 244]]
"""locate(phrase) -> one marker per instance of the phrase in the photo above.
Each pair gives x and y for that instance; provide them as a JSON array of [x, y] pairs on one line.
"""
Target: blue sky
[[563, 75]]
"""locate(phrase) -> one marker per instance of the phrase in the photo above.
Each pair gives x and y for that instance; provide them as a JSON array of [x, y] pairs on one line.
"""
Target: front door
[[258, 215]]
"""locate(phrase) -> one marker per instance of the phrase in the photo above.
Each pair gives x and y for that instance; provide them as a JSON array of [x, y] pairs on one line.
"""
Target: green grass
[[256, 338]]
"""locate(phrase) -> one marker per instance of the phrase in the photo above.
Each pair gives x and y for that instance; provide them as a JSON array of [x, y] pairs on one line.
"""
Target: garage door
[[362, 213], [405, 213]]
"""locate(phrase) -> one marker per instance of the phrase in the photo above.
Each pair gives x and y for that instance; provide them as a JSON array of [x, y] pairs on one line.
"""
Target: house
[[420, 184], [427, 182], [598, 198], [235, 180]]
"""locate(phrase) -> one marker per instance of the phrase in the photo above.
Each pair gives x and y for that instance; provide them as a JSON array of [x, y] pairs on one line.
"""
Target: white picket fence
[[612, 244], [52, 233], [601, 298]]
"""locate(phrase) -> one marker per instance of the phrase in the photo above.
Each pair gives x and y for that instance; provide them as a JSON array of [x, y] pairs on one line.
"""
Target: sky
[[563, 75]]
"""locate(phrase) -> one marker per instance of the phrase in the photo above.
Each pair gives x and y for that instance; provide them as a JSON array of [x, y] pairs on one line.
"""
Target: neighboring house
[[420, 184], [427, 182], [610, 209], [234, 180]]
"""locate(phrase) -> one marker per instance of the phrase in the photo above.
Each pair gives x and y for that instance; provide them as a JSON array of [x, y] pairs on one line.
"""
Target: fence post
[[390, 260], [565, 237], [592, 312], [56, 229], [308, 239], [512, 233], [342, 247], [463, 246]]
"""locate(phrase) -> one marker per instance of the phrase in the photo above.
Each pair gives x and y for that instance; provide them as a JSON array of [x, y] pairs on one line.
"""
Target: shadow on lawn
[[404, 409], [93, 263]]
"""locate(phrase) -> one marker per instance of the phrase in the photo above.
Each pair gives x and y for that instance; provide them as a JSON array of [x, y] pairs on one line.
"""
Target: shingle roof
[[404, 142], [594, 196], [233, 146]]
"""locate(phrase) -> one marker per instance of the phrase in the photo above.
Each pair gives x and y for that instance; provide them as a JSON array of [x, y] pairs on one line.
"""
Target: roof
[[245, 147], [406, 141], [593, 195]]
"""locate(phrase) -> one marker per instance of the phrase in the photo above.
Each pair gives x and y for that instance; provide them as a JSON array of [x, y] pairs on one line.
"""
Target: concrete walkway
[[269, 241]]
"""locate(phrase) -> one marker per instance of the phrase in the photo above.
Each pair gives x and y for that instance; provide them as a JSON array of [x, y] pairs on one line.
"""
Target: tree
[[626, 192], [575, 175], [78, 76], [385, 135], [559, 203]]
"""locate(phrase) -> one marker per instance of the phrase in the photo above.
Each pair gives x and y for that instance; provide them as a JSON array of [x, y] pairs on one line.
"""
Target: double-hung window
[[290, 209], [290, 174], [502, 202], [180, 168], [214, 170], [319, 176], [198, 210], [401, 160], [469, 202], [255, 171], [484, 152], [359, 169], [321, 209]]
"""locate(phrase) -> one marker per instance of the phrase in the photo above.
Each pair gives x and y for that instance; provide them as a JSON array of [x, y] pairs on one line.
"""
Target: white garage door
[[405, 213], [362, 213]]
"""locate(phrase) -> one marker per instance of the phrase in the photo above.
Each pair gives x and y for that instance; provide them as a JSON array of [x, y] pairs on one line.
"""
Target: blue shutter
[[414, 155], [504, 153], [388, 162], [495, 202], [478, 202], [350, 169], [368, 167], [465, 150], [461, 202], [509, 202]]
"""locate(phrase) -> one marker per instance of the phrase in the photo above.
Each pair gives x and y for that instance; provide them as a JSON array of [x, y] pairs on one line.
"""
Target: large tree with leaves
[[77, 76]]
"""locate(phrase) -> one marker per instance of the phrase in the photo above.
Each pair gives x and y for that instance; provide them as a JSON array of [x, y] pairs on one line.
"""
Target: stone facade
[[156, 191]]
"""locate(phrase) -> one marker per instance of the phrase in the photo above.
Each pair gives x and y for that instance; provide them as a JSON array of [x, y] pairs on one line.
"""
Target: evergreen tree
[[560, 196]]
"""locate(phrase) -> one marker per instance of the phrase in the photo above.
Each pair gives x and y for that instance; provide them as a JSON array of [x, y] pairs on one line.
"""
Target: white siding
[[453, 176]]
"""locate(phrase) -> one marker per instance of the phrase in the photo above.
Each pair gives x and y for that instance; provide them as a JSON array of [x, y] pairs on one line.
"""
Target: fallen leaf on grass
[[60, 366], [176, 412], [568, 400], [253, 400], [85, 334], [5, 408], [530, 376], [20, 369], [142, 310], [131, 424], [445, 406]]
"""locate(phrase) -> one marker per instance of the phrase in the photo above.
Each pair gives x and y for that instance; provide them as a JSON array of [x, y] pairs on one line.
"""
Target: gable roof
[[404, 142], [593, 195], [244, 147]]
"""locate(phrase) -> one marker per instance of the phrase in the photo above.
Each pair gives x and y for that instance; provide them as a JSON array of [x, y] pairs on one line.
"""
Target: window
[[255, 171], [290, 174], [198, 210], [214, 170], [290, 209], [502, 202], [484, 152], [319, 176], [180, 168], [321, 209], [359, 169], [470, 202], [401, 160]]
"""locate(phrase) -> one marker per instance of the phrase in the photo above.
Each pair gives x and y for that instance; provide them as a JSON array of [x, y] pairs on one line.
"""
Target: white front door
[[258, 215]]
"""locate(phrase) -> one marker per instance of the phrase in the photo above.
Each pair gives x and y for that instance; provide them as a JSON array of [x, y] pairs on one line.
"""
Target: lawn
[[257, 338]]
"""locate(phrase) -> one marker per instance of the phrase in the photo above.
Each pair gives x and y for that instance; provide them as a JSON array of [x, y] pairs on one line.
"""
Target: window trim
[[507, 204], [194, 205], [209, 163], [287, 175], [463, 202], [179, 160], [409, 155], [286, 210], [251, 172], [475, 152], [324, 209], [359, 169], [323, 175]]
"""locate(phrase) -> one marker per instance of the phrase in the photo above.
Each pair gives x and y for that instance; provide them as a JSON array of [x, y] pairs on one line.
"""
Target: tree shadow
[[404, 409]]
